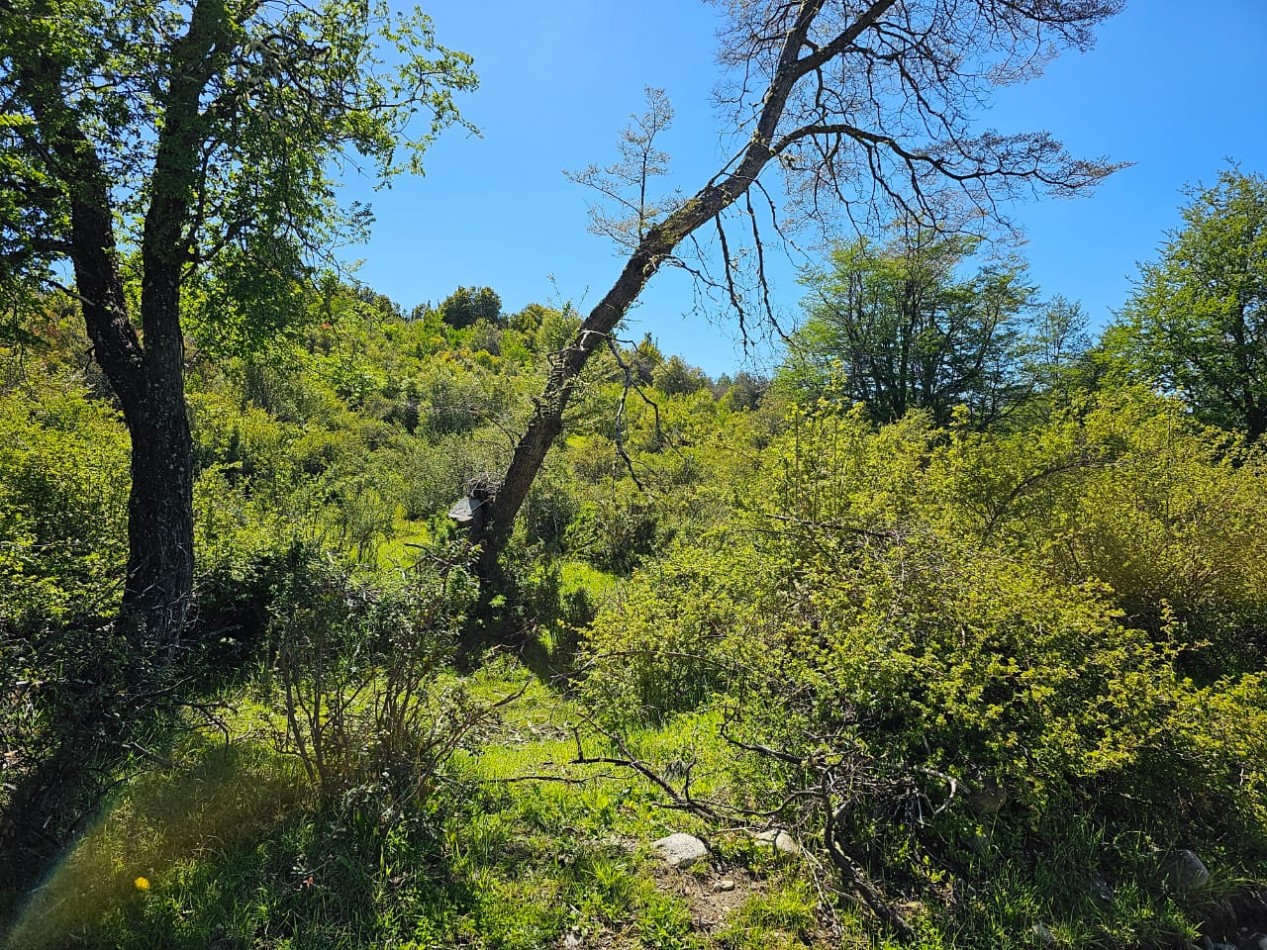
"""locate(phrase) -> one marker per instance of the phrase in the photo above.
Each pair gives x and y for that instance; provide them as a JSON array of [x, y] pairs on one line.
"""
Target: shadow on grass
[[232, 853], [232, 796]]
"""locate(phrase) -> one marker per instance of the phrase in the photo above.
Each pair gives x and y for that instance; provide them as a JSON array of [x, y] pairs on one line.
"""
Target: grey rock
[[1100, 888], [725, 884], [1044, 936], [1184, 871], [779, 839], [680, 850], [987, 799]]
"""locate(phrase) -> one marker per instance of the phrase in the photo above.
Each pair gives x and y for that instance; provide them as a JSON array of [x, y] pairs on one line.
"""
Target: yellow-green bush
[[922, 632], [63, 504]]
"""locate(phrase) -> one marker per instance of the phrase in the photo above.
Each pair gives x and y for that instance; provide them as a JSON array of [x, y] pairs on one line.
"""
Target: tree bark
[[148, 381], [161, 516]]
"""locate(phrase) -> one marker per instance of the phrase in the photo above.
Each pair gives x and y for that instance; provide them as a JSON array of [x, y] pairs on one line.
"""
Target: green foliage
[[1012, 662], [615, 530], [675, 377], [557, 330], [356, 668], [233, 849], [290, 91], [468, 306], [63, 504], [1197, 323], [897, 328], [947, 631]]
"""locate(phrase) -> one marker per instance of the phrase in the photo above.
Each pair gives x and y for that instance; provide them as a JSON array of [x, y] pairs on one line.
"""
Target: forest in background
[[323, 623]]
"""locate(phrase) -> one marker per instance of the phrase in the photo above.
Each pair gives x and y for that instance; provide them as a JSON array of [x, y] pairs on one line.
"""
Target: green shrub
[[63, 505], [915, 635], [356, 669]]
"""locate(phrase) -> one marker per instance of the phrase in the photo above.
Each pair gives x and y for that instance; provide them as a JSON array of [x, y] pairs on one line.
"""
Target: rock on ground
[[1185, 871], [778, 839], [680, 850]]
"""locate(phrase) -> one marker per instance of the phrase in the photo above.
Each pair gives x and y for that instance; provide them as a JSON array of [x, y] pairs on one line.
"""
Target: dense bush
[[923, 634], [63, 504]]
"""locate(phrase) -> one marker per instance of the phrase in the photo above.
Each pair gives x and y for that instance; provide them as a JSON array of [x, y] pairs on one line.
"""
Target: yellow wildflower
[[142, 883]]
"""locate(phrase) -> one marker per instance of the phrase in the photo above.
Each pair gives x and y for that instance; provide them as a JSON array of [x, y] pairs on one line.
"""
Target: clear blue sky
[[1173, 86]]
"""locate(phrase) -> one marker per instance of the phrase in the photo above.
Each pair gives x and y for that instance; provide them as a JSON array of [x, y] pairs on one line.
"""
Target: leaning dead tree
[[859, 105]]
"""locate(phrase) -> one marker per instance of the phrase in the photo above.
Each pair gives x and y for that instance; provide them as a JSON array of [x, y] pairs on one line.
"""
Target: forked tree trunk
[[149, 383], [149, 380]]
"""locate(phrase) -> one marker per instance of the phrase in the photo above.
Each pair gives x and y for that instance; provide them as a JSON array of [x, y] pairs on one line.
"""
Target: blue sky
[[1176, 91]]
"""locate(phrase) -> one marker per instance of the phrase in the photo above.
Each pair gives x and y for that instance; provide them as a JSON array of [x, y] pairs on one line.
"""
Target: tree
[[676, 377], [858, 104], [146, 144], [896, 328], [466, 305], [745, 391], [1197, 322]]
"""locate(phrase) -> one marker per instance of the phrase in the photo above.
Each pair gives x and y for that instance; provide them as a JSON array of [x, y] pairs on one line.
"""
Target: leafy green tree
[[676, 377], [645, 359], [466, 305], [745, 391], [897, 328], [1197, 323], [151, 150], [149, 144]]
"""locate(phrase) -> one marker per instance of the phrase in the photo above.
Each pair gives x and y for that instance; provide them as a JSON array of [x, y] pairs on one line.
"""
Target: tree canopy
[[1197, 323], [900, 327]]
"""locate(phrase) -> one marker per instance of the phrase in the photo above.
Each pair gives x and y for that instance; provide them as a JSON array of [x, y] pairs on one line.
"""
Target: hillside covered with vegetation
[[324, 623]]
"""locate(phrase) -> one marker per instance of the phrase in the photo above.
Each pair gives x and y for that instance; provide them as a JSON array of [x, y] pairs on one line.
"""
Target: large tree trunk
[[149, 380], [160, 571], [150, 386], [149, 383]]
